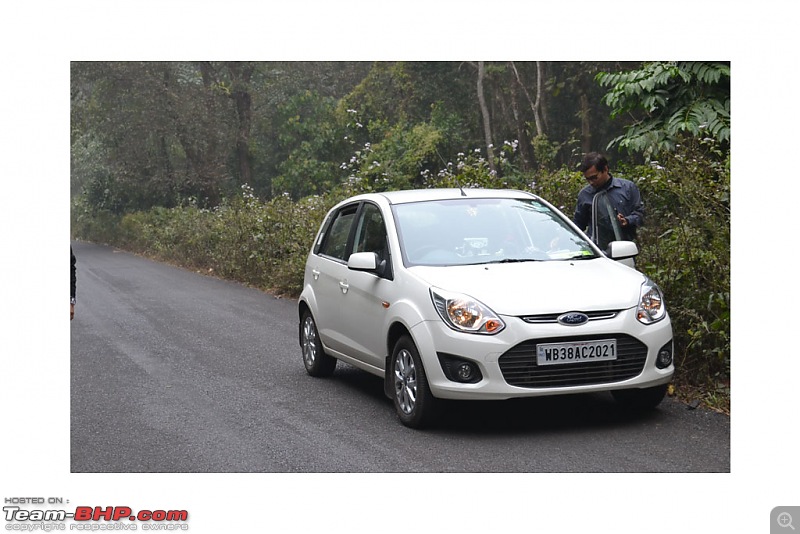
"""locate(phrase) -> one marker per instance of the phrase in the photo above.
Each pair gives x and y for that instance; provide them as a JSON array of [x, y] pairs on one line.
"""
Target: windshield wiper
[[579, 257], [513, 260]]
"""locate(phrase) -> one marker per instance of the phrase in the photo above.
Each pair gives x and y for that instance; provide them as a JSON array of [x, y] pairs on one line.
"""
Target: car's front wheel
[[413, 401], [640, 399], [315, 360]]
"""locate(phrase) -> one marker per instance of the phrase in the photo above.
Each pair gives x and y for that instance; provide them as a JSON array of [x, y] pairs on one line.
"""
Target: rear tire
[[640, 399], [413, 401], [316, 362]]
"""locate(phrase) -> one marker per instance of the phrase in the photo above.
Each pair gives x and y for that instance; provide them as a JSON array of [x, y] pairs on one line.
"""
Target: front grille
[[553, 317], [519, 367]]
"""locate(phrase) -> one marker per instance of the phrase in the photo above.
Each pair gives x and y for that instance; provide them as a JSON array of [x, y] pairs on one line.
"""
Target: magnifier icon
[[785, 520]]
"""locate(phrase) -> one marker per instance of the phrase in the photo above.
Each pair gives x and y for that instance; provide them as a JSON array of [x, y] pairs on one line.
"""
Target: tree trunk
[[487, 127], [536, 106], [586, 134], [240, 78], [524, 144]]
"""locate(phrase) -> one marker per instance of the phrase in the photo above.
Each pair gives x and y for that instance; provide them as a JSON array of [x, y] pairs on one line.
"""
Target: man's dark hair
[[596, 160]]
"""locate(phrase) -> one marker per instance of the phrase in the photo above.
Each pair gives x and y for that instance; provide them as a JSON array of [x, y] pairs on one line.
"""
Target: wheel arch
[[396, 331], [302, 308]]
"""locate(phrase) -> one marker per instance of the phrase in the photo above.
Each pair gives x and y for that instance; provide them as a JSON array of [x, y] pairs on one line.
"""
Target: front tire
[[413, 401], [640, 399], [315, 360]]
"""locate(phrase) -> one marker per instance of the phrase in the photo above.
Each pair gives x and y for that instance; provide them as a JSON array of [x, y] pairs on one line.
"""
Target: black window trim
[[389, 274], [350, 235]]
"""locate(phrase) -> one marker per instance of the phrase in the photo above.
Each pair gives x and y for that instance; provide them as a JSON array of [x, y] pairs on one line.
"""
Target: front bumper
[[507, 361]]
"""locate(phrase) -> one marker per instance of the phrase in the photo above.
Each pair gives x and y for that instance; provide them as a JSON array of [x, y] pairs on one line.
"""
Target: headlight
[[465, 314], [651, 307]]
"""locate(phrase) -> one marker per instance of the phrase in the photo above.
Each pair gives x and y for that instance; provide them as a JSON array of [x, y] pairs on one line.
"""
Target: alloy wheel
[[310, 349], [405, 381]]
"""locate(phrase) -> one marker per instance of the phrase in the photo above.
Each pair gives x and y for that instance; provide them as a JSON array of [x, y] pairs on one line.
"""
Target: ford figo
[[479, 294]]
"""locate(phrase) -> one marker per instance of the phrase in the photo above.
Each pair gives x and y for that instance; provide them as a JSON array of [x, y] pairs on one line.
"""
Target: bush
[[91, 224], [685, 248], [263, 244]]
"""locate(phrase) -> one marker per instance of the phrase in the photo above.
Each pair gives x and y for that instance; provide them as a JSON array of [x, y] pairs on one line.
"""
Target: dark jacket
[[624, 197]]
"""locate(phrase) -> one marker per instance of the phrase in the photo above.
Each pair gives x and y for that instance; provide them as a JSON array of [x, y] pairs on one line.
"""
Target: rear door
[[329, 271]]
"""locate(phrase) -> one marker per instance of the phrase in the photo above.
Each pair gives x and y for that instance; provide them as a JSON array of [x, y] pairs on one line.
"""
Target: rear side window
[[334, 244]]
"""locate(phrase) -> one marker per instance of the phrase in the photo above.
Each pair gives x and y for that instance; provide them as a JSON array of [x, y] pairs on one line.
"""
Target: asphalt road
[[175, 371]]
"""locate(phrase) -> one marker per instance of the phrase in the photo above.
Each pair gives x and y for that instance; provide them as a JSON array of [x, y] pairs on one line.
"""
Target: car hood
[[541, 287]]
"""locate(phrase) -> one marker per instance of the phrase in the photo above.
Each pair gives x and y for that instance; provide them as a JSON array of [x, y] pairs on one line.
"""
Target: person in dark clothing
[[622, 197], [72, 285]]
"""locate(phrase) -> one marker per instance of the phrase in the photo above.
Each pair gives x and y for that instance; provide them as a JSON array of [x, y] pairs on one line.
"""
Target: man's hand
[[622, 220]]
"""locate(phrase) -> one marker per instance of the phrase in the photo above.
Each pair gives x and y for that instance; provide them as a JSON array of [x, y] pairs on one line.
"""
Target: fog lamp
[[465, 371], [458, 369], [664, 358]]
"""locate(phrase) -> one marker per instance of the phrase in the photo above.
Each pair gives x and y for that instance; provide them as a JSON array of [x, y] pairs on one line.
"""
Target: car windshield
[[475, 231]]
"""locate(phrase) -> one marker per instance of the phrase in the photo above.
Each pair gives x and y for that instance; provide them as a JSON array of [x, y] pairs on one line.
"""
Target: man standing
[[621, 200]]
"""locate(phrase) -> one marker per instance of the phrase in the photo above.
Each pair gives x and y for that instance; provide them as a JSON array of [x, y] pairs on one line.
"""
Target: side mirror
[[622, 250], [363, 261], [369, 262]]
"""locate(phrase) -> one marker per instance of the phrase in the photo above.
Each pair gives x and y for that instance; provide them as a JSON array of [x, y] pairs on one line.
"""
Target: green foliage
[[560, 187], [263, 244], [396, 161], [686, 249], [670, 101], [471, 170], [310, 141], [93, 224]]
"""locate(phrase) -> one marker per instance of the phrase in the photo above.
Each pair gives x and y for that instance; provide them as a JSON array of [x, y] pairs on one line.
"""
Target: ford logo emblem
[[573, 318]]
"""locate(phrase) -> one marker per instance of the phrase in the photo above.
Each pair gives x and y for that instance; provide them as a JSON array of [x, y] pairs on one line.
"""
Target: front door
[[605, 226]]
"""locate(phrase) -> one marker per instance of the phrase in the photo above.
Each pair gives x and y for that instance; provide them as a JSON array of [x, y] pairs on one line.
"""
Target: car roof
[[418, 195]]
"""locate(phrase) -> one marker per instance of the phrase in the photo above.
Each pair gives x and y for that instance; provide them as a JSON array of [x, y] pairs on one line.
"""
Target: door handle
[[344, 286], [315, 273]]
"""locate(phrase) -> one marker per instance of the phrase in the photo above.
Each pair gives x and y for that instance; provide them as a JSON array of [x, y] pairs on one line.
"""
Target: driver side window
[[371, 233]]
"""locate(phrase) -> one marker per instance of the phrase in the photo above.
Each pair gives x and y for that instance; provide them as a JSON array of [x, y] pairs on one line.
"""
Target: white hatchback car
[[479, 294]]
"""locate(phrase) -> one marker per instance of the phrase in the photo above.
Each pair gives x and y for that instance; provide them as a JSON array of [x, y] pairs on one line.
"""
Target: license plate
[[576, 352]]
